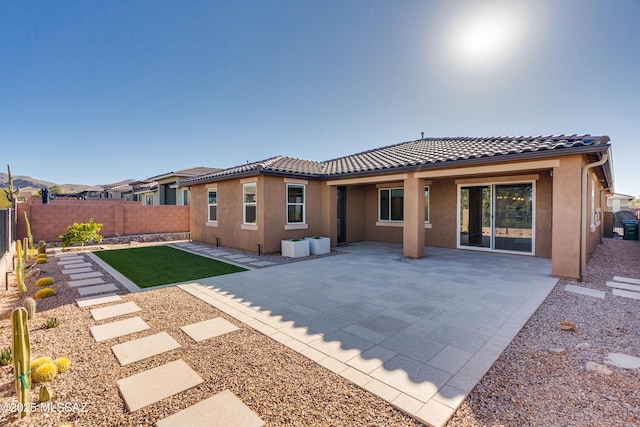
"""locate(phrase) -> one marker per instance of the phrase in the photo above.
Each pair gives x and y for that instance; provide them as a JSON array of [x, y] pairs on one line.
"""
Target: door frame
[[492, 184], [341, 214]]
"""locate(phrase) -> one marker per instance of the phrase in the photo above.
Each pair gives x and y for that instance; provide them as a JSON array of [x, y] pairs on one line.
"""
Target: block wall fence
[[118, 217]]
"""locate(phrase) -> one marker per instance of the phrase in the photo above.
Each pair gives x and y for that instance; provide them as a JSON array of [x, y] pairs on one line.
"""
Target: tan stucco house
[[537, 196]]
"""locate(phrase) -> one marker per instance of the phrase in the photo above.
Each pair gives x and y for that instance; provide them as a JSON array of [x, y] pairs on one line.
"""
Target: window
[[212, 204], [149, 199], [426, 204], [186, 197], [391, 204], [250, 203], [295, 204]]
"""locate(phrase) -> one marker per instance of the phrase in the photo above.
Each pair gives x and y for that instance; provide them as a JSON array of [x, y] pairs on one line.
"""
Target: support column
[[413, 230]]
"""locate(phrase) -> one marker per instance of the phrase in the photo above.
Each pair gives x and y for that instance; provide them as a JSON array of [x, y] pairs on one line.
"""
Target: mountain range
[[26, 182]]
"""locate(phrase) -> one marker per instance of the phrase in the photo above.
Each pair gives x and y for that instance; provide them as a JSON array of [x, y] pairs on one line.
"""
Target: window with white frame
[[250, 203], [186, 197], [391, 204], [149, 199], [295, 204], [593, 204], [212, 204], [426, 204]]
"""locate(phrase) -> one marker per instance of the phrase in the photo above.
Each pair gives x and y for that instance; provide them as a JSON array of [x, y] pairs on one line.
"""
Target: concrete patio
[[418, 333]]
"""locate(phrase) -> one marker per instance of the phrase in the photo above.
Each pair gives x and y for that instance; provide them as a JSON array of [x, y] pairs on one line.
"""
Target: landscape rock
[[596, 367]]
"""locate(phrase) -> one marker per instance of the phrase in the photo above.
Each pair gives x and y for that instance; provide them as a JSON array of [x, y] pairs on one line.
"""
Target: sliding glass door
[[496, 217]]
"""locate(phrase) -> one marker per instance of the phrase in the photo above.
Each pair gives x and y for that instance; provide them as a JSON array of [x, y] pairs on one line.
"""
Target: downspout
[[583, 219]]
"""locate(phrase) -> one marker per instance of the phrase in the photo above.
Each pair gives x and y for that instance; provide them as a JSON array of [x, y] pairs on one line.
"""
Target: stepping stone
[[142, 348], [155, 384], [263, 263], [89, 301], [245, 259], [114, 310], [76, 265], [585, 291], [118, 329], [624, 286], [69, 256], [623, 361], [209, 328], [223, 253], [626, 294], [228, 409], [86, 275], [627, 280], [97, 289], [235, 256], [76, 260], [77, 270], [85, 282]]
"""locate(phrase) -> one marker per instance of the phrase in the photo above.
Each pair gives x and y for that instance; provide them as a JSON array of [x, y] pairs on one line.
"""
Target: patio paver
[[585, 291], [77, 270], [143, 348], [118, 328], [103, 299], [114, 310], [228, 409], [80, 276], [97, 289], [209, 329], [626, 280], [626, 286], [85, 282], [626, 294], [153, 385]]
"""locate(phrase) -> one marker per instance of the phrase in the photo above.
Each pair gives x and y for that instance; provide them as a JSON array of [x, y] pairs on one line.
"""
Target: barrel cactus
[[62, 364], [45, 293], [45, 394], [44, 372], [45, 281]]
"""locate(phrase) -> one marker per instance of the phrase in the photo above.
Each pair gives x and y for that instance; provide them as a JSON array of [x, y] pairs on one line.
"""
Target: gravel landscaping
[[541, 379]]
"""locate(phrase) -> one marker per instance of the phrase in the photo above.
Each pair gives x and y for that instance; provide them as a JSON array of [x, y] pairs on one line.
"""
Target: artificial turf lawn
[[160, 265]]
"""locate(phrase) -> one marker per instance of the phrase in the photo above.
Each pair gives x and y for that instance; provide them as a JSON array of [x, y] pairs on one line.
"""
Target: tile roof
[[418, 153], [428, 151]]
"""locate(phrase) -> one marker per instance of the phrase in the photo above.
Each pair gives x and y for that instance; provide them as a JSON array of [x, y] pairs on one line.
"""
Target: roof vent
[[421, 135]]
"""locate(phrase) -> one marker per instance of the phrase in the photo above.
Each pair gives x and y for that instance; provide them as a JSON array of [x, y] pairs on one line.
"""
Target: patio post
[[413, 230]]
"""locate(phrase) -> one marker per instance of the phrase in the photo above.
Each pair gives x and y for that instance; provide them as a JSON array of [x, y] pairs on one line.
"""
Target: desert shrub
[[81, 233]]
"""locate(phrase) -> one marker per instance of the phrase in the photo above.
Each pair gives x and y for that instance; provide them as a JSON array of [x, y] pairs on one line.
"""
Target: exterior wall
[[271, 214], [118, 217], [594, 236], [443, 214]]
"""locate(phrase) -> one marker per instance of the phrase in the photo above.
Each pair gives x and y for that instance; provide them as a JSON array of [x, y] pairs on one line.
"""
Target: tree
[[81, 233]]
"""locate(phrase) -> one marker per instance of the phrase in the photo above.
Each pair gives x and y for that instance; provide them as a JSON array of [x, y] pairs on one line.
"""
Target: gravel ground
[[529, 385]]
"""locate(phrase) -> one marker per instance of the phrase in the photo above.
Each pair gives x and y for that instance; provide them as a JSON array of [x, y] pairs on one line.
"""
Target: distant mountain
[[27, 182]]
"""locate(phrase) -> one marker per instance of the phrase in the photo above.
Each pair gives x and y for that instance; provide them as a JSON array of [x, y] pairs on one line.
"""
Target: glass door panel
[[475, 216], [513, 223]]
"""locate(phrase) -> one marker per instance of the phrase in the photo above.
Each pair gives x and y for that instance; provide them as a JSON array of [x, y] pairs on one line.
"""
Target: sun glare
[[484, 36]]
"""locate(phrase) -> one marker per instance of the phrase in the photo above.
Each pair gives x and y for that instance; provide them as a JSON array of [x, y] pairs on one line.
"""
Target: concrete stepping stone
[[626, 286], [86, 275], [626, 294], [77, 265], [223, 253], [97, 289], [153, 385], [228, 409], [263, 263], [85, 282], [118, 328], [235, 256], [142, 348], [585, 291], [623, 361], [209, 329], [245, 259], [114, 310], [77, 270], [626, 280], [72, 261], [103, 299]]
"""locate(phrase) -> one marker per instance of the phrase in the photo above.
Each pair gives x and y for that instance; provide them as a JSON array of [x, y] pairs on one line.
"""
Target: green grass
[[159, 265]]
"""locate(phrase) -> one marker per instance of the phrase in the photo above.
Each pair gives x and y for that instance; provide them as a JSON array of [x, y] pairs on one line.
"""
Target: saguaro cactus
[[11, 192], [19, 268], [22, 359]]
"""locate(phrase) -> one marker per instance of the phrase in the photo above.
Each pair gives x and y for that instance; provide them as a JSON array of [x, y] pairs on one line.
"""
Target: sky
[[95, 92]]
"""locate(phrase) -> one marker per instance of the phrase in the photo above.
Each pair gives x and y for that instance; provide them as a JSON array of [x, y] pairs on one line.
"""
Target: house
[[618, 202], [119, 190], [537, 196], [165, 191]]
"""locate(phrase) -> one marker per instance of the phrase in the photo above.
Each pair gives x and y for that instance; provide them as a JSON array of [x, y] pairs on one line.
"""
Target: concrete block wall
[[118, 217]]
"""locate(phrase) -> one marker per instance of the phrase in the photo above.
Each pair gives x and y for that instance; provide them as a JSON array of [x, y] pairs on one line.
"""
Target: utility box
[[630, 230]]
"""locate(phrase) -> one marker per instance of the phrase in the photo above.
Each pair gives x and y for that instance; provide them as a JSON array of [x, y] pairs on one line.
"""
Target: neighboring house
[[119, 190], [167, 191], [539, 196], [145, 191], [618, 202]]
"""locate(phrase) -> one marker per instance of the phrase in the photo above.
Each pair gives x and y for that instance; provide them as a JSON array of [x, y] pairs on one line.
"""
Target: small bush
[[45, 293], [52, 323], [44, 372], [45, 281], [62, 364], [40, 361], [81, 233], [5, 356]]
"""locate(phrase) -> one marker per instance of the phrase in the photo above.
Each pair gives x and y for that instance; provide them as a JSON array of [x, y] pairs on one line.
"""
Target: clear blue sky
[[93, 92]]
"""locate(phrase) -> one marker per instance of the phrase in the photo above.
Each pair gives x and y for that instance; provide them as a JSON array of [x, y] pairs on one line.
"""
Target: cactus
[[52, 322], [22, 358], [44, 372], [45, 281], [32, 249], [45, 394], [11, 192], [42, 261], [19, 269], [30, 306], [5, 356], [45, 293], [62, 364], [40, 361], [41, 255], [25, 250], [42, 247]]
